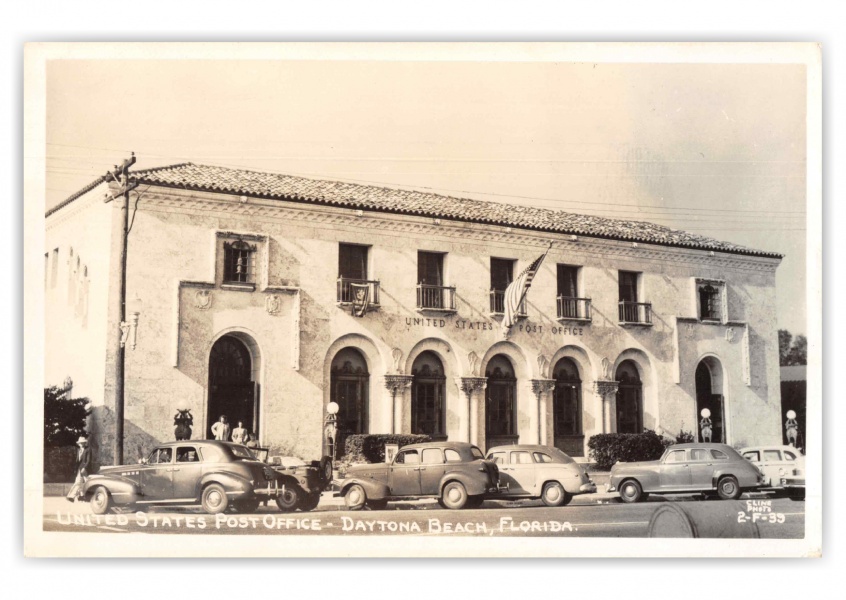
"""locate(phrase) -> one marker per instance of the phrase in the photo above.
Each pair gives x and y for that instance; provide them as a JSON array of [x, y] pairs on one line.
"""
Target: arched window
[[567, 399], [428, 402], [350, 385], [500, 399], [629, 399]]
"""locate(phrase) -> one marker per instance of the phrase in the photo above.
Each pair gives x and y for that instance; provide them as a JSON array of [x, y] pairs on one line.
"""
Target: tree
[[64, 417], [792, 351]]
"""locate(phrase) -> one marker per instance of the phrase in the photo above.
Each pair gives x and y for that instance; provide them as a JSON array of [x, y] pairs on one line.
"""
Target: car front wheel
[[728, 488], [214, 499], [454, 495], [289, 500], [630, 491], [101, 501], [355, 498]]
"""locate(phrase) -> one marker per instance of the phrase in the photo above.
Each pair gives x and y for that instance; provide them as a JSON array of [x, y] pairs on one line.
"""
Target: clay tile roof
[[384, 199]]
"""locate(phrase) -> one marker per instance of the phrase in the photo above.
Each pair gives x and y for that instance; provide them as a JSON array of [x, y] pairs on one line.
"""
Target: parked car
[[685, 468], [301, 482], [531, 471], [793, 482], [214, 474], [456, 473], [774, 461]]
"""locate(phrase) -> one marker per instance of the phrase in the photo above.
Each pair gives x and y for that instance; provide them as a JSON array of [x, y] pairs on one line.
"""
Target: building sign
[[465, 324]]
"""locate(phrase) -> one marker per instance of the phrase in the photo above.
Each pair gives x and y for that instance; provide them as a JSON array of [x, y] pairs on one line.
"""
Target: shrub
[[609, 448], [371, 447], [64, 417], [684, 437]]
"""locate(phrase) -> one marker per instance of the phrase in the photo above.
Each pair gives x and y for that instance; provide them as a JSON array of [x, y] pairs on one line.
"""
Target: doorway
[[232, 389], [709, 394]]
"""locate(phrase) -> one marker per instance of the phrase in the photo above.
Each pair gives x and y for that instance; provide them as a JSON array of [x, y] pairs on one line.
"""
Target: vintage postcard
[[423, 300]]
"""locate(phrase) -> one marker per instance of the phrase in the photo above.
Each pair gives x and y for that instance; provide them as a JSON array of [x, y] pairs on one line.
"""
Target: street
[[774, 518]]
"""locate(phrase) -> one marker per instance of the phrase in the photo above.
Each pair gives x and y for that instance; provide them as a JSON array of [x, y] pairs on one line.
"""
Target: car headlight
[[781, 471]]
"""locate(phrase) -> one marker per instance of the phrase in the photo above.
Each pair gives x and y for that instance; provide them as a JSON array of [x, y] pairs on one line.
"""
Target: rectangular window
[[570, 304], [632, 310], [710, 298], [54, 274], [628, 286], [239, 262], [430, 268], [432, 293], [352, 261], [502, 274]]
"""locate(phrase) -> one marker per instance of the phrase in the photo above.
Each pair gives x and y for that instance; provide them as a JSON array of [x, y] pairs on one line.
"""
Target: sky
[[715, 149]]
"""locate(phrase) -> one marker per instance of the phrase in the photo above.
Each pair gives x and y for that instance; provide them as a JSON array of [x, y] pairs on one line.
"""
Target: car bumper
[[272, 490], [587, 488]]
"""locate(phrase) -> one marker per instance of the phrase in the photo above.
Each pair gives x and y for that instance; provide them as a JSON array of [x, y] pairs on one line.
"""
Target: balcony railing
[[636, 312], [435, 297], [498, 304], [575, 309], [346, 291]]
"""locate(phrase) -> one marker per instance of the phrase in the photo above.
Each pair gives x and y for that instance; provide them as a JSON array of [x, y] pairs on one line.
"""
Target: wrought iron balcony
[[573, 309], [635, 313], [435, 297], [498, 304], [346, 291]]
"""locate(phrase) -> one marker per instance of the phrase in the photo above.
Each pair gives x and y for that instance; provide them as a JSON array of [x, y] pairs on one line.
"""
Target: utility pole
[[121, 171]]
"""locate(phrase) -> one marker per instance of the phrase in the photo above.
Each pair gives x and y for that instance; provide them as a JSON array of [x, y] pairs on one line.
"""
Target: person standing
[[240, 435], [221, 429], [83, 467]]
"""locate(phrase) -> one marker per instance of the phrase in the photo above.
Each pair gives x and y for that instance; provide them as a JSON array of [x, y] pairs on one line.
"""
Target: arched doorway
[[709, 394], [500, 402], [629, 398], [349, 386], [428, 401], [567, 408], [233, 390]]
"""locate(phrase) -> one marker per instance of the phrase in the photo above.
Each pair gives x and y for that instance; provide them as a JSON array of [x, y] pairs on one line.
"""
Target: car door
[[701, 469], [187, 471], [157, 476], [674, 472], [521, 468], [405, 474], [505, 477], [432, 469]]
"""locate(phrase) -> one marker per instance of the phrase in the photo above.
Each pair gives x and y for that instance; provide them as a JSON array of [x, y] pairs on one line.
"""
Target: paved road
[[777, 518]]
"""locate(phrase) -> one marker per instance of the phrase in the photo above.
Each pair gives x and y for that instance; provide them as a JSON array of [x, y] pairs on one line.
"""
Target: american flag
[[516, 291]]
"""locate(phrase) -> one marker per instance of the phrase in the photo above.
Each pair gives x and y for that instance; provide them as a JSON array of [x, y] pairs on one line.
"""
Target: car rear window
[[476, 453], [772, 455], [241, 451], [452, 455], [719, 455], [789, 455], [753, 456], [542, 458], [212, 454], [432, 456]]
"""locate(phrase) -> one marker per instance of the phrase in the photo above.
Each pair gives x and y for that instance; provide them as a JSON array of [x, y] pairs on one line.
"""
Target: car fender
[[569, 479], [122, 490], [229, 481], [742, 480], [647, 478], [475, 486], [375, 490]]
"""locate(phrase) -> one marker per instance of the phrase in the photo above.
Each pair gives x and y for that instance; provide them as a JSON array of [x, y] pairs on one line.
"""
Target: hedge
[[371, 447], [609, 448]]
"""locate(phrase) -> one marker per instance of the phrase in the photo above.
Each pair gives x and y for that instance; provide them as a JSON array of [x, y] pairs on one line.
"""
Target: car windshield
[[476, 453]]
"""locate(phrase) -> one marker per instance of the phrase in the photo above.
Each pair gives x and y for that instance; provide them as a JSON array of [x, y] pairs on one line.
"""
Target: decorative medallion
[[473, 359], [543, 363], [730, 334], [606, 367], [204, 299], [273, 304], [396, 354]]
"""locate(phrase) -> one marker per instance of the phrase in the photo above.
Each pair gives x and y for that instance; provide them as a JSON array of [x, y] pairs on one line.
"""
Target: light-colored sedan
[[774, 461], [531, 471]]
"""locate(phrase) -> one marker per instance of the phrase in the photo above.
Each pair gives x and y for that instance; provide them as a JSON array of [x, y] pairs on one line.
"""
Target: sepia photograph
[[423, 299]]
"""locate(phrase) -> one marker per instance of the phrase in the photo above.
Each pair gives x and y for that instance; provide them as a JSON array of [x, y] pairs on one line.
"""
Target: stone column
[[468, 385], [540, 388], [396, 384], [607, 392]]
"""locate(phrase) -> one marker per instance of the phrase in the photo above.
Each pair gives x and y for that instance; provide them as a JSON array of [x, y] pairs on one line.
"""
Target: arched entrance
[[567, 408], [709, 394], [629, 398], [428, 397], [233, 390], [349, 387], [500, 402]]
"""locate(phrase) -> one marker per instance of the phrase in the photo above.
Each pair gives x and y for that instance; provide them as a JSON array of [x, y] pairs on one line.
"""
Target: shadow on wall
[[137, 443]]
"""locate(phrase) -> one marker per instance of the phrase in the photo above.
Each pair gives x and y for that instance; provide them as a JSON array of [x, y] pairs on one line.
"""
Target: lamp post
[[791, 429], [330, 429], [705, 425]]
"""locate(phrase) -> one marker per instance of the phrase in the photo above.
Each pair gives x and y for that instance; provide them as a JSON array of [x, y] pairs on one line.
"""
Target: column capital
[[468, 385], [541, 386], [394, 383], [605, 388]]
